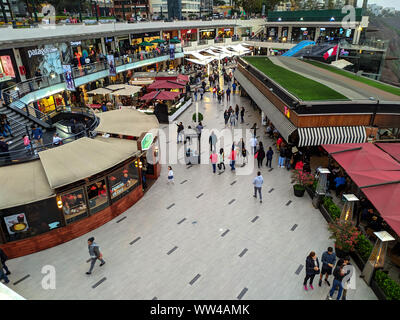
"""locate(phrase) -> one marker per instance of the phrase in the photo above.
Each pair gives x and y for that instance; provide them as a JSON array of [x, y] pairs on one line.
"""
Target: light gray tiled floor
[[143, 270]]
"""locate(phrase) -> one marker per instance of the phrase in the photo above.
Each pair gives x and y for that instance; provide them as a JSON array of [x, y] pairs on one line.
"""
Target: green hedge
[[390, 287], [364, 247], [332, 208]]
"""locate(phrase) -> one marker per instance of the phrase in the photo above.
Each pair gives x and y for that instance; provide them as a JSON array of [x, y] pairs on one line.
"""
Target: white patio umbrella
[[99, 91], [116, 86], [127, 91]]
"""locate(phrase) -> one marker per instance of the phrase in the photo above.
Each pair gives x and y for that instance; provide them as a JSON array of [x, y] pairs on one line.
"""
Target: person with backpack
[[346, 263], [270, 153], [94, 251], [3, 259], [328, 261], [282, 155], [221, 159], [312, 268]]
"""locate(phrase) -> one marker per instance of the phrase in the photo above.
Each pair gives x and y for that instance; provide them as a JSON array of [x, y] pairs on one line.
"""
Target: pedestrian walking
[[288, 157], [201, 90], [199, 128], [237, 112], [242, 115], [221, 159], [254, 127], [4, 151], [338, 274], [233, 120], [195, 94], [228, 94], [180, 129], [253, 145], [346, 284], [212, 140], [260, 155], [233, 88], [170, 175], [232, 157], [214, 91], [312, 268], [37, 136], [3, 259], [219, 95], [328, 261], [226, 117], [214, 160], [269, 155], [282, 154], [94, 251], [3, 276], [258, 182]]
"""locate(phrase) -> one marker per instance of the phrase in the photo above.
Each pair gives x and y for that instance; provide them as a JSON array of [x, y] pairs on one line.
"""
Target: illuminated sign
[[147, 141]]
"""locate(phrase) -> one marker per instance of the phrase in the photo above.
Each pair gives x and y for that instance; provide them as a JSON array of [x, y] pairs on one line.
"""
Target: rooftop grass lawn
[[362, 79], [302, 87]]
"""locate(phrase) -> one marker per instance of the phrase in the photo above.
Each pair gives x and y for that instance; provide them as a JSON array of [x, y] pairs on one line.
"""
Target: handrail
[[34, 155]]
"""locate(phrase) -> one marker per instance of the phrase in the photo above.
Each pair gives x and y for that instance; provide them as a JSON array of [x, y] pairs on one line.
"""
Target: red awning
[[391, 148], [375, 173], [369, 157], [160, 95], [167, 84], [183, 77]]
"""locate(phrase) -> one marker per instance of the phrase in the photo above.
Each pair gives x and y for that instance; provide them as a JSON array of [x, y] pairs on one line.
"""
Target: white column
[[18, 60], [103, 46], [289, 36]]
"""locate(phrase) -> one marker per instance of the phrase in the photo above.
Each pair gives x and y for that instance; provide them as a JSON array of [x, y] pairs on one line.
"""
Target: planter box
[[357, 260], [178, 112], [310, 192], [378, 291], [326, 214]]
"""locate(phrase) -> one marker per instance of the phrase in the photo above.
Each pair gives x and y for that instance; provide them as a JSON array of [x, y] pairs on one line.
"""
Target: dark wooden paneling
[[387, 120], [58, 236], [333, 120]]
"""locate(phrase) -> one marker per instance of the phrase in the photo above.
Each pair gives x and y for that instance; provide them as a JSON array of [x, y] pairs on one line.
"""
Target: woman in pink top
[[214, 159], [232, 157]]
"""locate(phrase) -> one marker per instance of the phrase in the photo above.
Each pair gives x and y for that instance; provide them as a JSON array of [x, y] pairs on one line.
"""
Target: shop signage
[[146, 141], [109, 39], [6, 66], [40, 52], [75, 43]]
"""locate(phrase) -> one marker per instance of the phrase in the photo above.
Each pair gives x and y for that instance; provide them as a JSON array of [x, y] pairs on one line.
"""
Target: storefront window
[[207, 34], [30, 220], [74, 206], [123, 181], [97, 196]]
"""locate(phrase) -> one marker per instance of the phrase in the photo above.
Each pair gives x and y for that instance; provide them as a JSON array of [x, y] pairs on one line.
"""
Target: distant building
[[174, 9], [375, 9], [140, 8]]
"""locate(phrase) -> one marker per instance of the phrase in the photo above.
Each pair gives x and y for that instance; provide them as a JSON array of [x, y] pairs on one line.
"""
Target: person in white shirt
[[170, 175], [57, 140], [253, 144], [258, 182]]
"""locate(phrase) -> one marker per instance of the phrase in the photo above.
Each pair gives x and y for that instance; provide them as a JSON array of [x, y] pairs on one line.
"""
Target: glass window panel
[[97, 196], [123, 181], [74, 206]]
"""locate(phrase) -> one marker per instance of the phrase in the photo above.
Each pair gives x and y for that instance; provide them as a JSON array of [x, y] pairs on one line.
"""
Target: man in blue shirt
[[37, 136], [340, 184], [258, 181], [328, 261]]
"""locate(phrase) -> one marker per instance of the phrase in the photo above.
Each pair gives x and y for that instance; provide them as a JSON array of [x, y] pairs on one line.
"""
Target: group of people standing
[[328, 268]]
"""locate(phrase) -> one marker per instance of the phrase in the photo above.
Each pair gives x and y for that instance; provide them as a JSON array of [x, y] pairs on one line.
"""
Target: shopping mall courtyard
[[205, 237]]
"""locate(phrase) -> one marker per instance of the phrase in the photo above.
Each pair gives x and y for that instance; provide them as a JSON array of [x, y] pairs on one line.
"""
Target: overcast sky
[[386, 3]]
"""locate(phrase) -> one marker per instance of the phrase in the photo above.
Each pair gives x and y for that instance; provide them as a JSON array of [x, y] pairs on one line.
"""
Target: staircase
[[18, 124], [297, 48]]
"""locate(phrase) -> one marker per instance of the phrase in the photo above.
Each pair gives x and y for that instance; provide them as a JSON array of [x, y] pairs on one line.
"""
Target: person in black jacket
[[339, 274], [3, 259], [312, 268], [260, 155]]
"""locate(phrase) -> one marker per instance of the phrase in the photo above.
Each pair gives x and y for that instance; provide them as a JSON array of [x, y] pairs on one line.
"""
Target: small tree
[[302, 178]]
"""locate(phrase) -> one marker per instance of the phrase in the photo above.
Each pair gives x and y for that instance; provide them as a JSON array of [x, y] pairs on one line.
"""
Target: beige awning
[[82, 159], [23, 183], [100, 91], [113, 87], [141, 82], [127, 91], [127, 122]]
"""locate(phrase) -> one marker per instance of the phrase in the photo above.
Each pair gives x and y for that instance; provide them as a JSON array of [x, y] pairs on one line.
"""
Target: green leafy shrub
[[364, 247], [390, 287], [199, 118], [332, 208]]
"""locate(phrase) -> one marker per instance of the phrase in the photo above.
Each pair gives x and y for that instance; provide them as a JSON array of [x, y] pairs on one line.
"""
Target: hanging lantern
[[348, 208], [377, 258]]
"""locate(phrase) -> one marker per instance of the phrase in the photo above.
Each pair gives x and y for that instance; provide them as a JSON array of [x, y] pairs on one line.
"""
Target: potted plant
[[302, 179], [346, 237], [199, 117]]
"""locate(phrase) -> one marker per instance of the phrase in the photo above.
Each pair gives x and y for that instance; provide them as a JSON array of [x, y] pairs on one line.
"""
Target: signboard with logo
[[111, 65], [145, 141], [68, 78], [6, 68]]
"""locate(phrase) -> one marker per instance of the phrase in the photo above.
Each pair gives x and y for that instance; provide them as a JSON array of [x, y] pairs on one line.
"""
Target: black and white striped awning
[[331, 135]]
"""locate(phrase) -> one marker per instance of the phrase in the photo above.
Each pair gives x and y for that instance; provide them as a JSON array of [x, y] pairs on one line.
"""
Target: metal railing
[[23, 154]]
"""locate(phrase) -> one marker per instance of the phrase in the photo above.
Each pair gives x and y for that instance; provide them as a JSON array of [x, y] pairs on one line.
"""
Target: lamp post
[[348, 208], [377, 258], [321, 186]]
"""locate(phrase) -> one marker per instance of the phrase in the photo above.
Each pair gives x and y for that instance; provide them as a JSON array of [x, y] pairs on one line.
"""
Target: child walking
[[170, 175]]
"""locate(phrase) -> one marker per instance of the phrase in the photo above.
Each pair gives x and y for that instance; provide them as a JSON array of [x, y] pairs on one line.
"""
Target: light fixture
[[378, 254], [332, 19], [59, 202], [16, 88], [279, 19], [348, 208], [301, 19]]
